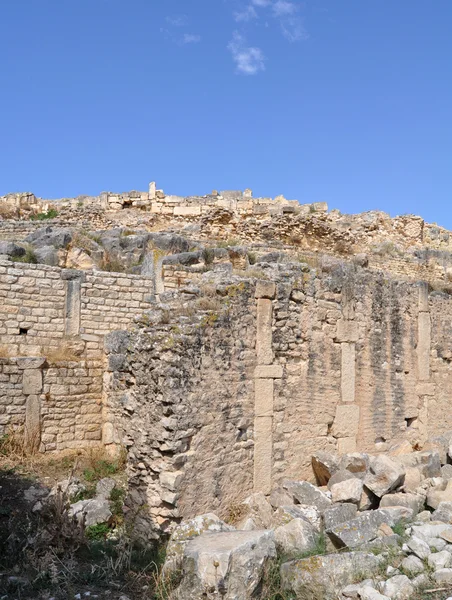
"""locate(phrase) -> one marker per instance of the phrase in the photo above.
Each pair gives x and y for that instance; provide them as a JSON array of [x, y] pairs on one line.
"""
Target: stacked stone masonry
[[216, 394]]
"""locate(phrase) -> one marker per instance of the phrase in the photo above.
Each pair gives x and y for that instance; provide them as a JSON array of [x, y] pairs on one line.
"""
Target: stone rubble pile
[[375, 528]]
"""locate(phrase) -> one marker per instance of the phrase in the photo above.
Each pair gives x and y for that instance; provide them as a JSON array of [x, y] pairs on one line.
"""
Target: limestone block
[[33, 422], [346, 421], [187, 211], [268, 372], [263, 450], [346, 445], [295, 537], [32, 381], [423, 297], [263, 401], [171, 479], [347, 331], [423, 346], [348, 372], [30, 362], [264, 349], [425, 388], [265, 289]]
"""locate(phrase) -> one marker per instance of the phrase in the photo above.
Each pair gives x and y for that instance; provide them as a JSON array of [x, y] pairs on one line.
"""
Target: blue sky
[[344, 101]]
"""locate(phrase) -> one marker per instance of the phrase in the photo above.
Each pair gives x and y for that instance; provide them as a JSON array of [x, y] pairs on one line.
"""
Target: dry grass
[[88, 464], [208, 303]]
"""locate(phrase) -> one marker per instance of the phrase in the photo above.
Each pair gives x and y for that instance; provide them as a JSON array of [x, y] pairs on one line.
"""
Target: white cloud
[[247, 14], [191, 38], [284, 7], [293, 29], [177, 20], [248, 60], [261, 2]]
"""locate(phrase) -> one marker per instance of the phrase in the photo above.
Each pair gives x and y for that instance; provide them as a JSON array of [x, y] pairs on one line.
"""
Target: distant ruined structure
[[220, 339]]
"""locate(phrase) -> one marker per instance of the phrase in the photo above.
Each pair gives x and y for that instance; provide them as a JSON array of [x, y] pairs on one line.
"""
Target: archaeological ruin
[[220, 340]]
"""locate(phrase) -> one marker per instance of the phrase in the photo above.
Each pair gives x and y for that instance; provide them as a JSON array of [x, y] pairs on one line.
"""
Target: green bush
[[97, 532], [43, 216]]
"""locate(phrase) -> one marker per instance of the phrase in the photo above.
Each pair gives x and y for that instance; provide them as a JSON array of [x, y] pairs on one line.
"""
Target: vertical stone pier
[[264, 376], [32, 384], [73, 286], [425, 388], [346, 421]]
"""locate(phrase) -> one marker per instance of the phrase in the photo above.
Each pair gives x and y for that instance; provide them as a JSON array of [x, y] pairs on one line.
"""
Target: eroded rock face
[[228, 564]]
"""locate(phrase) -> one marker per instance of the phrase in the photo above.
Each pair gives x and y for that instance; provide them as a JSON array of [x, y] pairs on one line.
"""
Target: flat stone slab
[[360, 530], [327, 574]]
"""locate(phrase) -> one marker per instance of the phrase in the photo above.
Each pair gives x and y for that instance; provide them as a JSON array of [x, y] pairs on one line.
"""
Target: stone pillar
[[264, 376], [152, 190], [345, 426], [73, 285], [32, 384], [425, 388]]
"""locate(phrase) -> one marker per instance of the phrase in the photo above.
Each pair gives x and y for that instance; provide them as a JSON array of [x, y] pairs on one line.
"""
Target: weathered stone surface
[[230, 564], [385, 475], [443, 512], [436, 496], [280, 497], [104, 487], [347, 491], [337, 514], [259, 510], [329, 573], [419, 547], [346, 421], [430, 530], [398, 587], [285, 514], [360, 530], [324, 465], [446, 472], [91, 512], [439, 560], [413, 501], [355, 462], [295, 537], [427, 463], [308, 494], [340, 476], [443, 576], [188, 530], [412, 565]]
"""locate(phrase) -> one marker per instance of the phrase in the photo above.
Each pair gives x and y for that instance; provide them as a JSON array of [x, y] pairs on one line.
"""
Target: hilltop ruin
[[220, 339]]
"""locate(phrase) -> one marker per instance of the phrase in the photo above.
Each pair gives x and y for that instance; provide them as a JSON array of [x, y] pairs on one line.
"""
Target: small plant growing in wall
[[43, 216]]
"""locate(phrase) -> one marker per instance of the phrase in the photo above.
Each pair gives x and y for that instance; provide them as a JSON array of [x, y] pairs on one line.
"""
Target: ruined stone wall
[[58, 318], [344, 360]]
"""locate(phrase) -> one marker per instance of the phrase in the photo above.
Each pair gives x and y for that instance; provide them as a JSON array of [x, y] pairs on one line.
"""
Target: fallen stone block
[[409, 500], [340, 513], [186, 531], [228, 564], [295, 538], [328, 574], [384, 475], [324, 465], [355, 462], [305, 493], [360, 530], [347, 491], [398, 587], [285, 514]]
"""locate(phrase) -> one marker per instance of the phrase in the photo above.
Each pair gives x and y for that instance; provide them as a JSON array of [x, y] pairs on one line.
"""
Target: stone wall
[[58, 318], [343, 360]]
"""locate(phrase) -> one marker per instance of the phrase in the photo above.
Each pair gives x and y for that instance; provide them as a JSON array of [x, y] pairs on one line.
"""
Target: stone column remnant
[[32, 383], [425, 388], [73, 284], [264, 375]]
